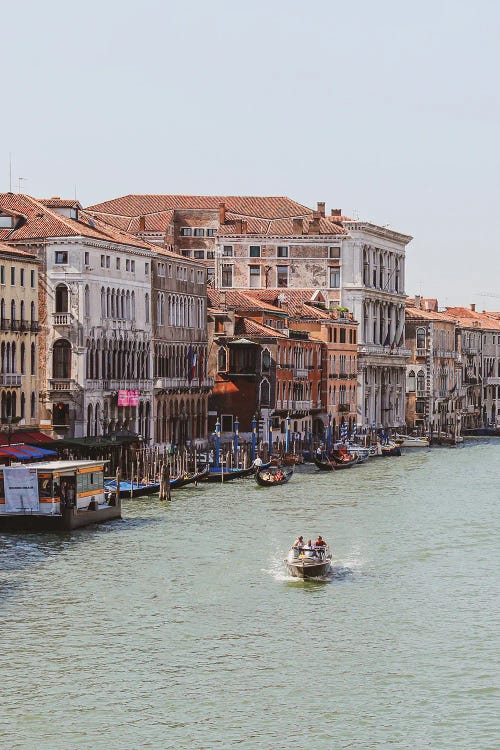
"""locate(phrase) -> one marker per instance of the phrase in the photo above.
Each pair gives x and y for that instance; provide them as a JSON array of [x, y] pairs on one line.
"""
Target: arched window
[[61, 360], [62, 298], [33, 360], [23, 358], [33, 312], [23, 406], [222, 360], [13, 313], [266, 360], [411, 380], [89, 420], [265, 392], [146, 303], [421, 380], [22, 312], [103, 302], [33, 405], [421, 338], [2, 314], [86, 302]]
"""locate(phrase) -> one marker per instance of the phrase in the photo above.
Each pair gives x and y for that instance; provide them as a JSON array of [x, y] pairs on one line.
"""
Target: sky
[[389, 110]]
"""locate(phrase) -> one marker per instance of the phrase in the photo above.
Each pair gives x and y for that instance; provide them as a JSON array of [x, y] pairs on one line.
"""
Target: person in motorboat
[[309, 550], [320, 542], [298, 546]]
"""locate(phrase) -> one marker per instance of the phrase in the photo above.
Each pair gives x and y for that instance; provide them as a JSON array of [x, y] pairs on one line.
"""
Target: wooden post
[[117, 489]]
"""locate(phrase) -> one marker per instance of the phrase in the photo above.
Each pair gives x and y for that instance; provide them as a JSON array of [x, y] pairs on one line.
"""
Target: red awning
[[32, 437]]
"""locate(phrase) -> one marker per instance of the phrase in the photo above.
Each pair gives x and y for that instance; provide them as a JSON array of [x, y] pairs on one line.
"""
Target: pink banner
[[128, 398]]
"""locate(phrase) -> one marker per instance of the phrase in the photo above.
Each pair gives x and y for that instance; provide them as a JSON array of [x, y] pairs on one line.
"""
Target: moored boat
[[131, 489], [222, 474], [412, 441], [272, 476], [314, 563], [183, 480]]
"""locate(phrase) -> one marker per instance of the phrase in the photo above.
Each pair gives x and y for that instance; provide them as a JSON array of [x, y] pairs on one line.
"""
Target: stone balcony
[[165, 384], [300, 373], [386, 351], [10, 380], [119, 385], [63, 319], [492, 381], [63, 385]]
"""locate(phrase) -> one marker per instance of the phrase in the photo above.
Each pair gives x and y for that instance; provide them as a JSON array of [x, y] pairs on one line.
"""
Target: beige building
[[19, 333]]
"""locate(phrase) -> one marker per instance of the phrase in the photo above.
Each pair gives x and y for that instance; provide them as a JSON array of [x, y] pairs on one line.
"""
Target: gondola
[[325, 464], [130, 489], [341, 462], [266, 477], [183, 480], [221, 474]]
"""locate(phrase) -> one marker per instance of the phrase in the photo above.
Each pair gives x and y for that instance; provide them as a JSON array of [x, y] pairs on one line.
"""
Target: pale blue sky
[[388, 110]]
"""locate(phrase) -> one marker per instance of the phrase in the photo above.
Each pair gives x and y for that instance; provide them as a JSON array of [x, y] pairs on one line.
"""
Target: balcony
[[62, 319], [423, 393], [445, 354], [300, 405], [377, 349], [492, 381], [10, 380], [62, 385], [119, 385], [174, 383], [22, 326], [421, 352], [344, 408], [300, 372]]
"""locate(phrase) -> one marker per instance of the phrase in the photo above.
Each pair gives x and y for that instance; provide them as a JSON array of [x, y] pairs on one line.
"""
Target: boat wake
[[278, 571]]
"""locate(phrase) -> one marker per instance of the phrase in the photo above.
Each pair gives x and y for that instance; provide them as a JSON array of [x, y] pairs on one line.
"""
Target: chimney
[[222, 213], [222, 301], [238, 226], [418, 301], [298, 226], [142, 223], [336, 212], [314, 223], [472, 307], [321, 209], [244, 227]]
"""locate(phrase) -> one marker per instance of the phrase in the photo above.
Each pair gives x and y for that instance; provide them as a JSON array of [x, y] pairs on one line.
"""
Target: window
[[33, 360], [21, 276], [210, 254], [61, 258], [146, 269], [161, 269], [421, 338], [254, 251], [2, 274], [61, 298], [342, 335], [421, 381], [61, 359], [411, 381], [226, 423], [199, 232], [266, 360], [86, 302], [254, 280], [127, 265], [132, 266], [334, 252], [211, 232], [108, 261], [227, 251], [103, 261], [199, 254], [334, 278], [186, 232], [6, 222], [12, 276], [118, 264], [222, 360], [282, 276], [227, 275], [169, 271], [86, 259], [210, 276], [282, 252], [32, 279]]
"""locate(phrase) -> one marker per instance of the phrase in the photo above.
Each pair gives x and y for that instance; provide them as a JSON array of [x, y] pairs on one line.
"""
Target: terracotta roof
[[242, 300], [468, 318], [419, 313], [252, 328], [270, 207], [37, 221], [426, 303], [60, 202], [15, 252], [293, 298], [279, 227]]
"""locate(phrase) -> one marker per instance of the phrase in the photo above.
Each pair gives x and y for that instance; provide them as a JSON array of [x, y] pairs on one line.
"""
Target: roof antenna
[[10, 171], [19, 180]]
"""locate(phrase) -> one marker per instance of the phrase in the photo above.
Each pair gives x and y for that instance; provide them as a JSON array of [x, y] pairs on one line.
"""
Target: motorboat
[[271, 476], [412, 441], [309, 563]]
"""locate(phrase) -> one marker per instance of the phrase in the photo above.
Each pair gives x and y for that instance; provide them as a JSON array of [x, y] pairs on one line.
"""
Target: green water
[[179, 628]]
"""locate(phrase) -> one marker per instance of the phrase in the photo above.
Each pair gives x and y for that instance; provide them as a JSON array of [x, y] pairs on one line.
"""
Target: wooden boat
[[183, 480], [326, 464], [131, 489], [270, 476], [412, 441], [390, 450], [221, 474], [343, 460], [323, 463], [301, 565]]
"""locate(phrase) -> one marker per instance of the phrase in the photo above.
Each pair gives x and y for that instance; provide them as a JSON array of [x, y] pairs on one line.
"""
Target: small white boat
[[412, 441], [309, 563]]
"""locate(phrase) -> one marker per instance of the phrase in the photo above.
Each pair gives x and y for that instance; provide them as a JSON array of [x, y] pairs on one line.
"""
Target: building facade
[[19, 360]]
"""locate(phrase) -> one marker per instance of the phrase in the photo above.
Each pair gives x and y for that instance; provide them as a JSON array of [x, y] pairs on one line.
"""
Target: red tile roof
[[15, 252], [279, 227], [37, 221], [468, 318], [236, 299], [57, 202], [272, 207], [253, 328], [420, 313]]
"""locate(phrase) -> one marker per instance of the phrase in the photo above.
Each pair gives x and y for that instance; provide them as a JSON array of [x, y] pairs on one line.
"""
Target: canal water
[[179, 628]]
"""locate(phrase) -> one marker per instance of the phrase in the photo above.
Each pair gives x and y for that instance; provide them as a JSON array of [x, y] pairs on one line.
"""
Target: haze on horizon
[[387, 111]]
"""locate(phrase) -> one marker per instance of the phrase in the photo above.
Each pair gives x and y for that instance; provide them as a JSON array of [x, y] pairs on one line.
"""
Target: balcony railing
[[343, 408], [421, 352], [386, 350], [23, 326], [62, 318], [119, 385], [172, 383], [422, 393], [300, 405], [11, 380], [492, 381], [300, 372], [63, 384]]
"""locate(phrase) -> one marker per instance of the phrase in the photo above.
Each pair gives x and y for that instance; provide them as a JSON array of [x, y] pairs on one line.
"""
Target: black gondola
[[269, 476], [325, 464], [182, 481]]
